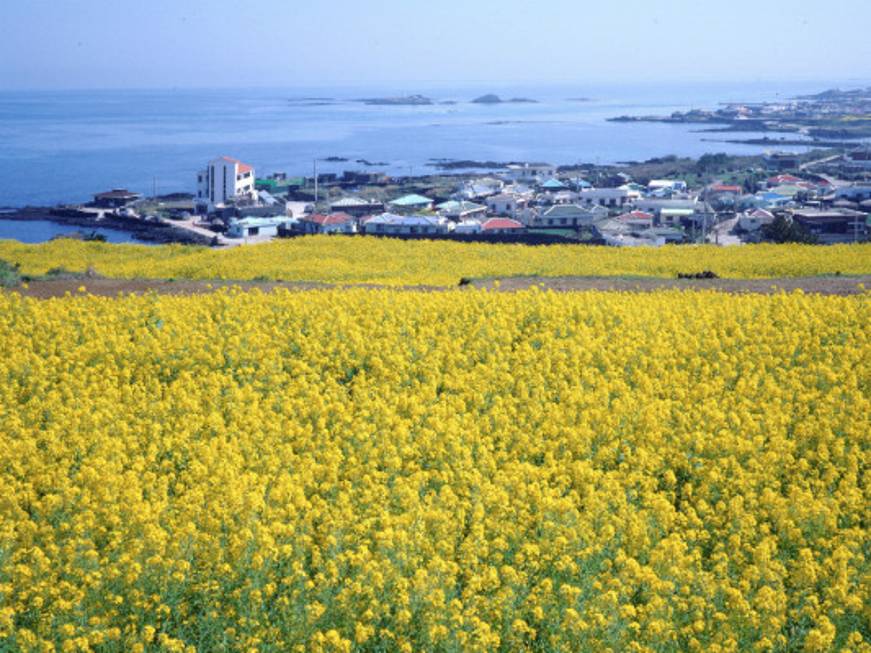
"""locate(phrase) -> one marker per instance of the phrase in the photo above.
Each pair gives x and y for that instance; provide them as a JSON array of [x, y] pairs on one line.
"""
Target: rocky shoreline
[[150, 232]]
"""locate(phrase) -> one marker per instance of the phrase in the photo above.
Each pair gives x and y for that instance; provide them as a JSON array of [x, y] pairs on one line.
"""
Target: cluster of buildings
[[525, 200], [533, 200]]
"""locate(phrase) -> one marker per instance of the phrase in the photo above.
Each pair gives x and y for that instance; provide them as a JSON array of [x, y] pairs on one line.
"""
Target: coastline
[[149, 232]]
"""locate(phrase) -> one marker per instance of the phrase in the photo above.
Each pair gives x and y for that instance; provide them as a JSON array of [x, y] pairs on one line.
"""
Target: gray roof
[[405, 220], [568, 211]]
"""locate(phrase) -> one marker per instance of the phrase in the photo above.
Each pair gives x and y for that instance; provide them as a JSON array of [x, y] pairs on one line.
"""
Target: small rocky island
[[403, 101], [492, 98]]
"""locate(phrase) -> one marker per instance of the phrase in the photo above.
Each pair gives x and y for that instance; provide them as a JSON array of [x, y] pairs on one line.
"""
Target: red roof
[[725, 188], [501, 223], [783, 179], [635, 215], [332, 218]]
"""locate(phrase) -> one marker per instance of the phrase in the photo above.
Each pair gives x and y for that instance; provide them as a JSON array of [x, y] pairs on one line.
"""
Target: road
[[721, 233]]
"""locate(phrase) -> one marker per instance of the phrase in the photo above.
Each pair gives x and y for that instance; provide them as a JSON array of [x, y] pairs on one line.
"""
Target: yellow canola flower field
[[380, 470], [345, 259]]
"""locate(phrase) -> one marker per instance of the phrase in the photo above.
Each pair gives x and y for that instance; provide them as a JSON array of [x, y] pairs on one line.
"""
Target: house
[[626, 232], [637, 219], [633, 191], [480, 188], [225, 180], [467, 227], [561, 197], [755, 219], [669, 185], [610, 227], [412, 203], [833, 225], [392, 224], [782, 161], [553, 185], [565, 216], [858, 159], [508, 204], [356, 206], [724, 189], [362, 178], [502, 226], [607, 197], [778, 180], [674, 212], [254, 226], [771, 200], [529, 173], [461, 210], [856, 193], [618, 234], [278, 183], [667, 234], [579, 183], [332, 223], [789, 190], [115, 198], [616, 179]]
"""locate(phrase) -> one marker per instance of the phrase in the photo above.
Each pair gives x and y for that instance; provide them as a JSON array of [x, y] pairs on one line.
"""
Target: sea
[[64, 146], [39, 231]]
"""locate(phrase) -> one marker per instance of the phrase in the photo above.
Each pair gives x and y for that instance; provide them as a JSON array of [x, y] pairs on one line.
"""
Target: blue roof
[[254, 221]]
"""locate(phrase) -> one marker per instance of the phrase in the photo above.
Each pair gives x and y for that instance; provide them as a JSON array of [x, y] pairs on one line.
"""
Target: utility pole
[[316, 182], [154, 187]]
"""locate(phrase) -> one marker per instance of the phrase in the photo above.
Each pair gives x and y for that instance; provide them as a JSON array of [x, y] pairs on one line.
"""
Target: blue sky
[[221, 43]]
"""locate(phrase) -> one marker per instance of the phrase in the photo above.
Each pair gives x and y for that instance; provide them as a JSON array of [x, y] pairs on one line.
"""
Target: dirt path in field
[[835, 285], [111, 287]]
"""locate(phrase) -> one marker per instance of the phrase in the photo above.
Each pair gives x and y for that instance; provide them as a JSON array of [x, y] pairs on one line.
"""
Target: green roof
[[463, 207], [278, 184]]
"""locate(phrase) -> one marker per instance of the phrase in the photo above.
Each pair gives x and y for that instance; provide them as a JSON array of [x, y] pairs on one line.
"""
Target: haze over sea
[[64, 146]]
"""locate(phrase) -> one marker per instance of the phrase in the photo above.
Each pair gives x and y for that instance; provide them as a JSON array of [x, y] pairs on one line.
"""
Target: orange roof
[[725, 188], [243, 167]]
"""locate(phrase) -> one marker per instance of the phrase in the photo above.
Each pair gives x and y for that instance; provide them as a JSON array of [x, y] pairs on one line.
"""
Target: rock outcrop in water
[[491, 98]]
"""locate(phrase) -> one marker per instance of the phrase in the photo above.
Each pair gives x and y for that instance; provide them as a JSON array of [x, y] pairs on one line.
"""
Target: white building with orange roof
[[225, 179]]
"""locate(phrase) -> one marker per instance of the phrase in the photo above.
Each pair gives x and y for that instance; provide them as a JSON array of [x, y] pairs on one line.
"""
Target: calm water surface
[[65, 146], [39, 231]]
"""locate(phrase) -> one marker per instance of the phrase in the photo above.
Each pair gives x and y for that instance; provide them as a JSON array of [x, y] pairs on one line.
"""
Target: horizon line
[[829, 83]]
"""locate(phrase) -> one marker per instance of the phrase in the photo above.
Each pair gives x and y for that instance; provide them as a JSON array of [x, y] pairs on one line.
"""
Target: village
[[820, 198]]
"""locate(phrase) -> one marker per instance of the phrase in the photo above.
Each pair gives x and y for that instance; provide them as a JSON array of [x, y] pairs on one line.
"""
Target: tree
[[712, 162], [786, 231]]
